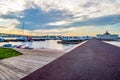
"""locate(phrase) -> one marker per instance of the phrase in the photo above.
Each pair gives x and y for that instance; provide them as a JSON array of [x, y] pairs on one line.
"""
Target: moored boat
[[7, 46], [22, 38], [1, 39], [30, 39]]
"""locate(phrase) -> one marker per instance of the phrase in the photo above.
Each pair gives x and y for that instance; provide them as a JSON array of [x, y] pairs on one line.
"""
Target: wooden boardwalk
[[94, 60], [16, 68]]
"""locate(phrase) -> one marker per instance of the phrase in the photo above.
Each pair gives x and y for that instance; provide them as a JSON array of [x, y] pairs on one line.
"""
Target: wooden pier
[[94, 60], [18, 67]]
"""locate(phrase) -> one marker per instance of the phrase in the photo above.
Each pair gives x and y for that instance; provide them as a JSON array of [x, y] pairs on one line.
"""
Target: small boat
[[1, 39], [22, 38], [20, 46], [14, 46], [7, 46], [30, 39]]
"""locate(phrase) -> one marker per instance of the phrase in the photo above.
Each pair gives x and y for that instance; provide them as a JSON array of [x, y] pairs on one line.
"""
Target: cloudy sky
[[60, 17]]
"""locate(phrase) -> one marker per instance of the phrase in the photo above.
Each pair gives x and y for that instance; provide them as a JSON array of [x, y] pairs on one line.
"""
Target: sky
[[60, 17]]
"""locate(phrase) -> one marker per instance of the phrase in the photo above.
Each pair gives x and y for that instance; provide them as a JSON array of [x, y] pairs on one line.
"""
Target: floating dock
[[94, 60]]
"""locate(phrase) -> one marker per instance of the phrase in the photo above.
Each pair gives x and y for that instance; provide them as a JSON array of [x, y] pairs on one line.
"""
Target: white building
[[108, 36]]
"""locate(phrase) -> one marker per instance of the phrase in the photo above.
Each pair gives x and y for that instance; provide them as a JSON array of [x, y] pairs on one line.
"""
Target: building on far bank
[[107, 36]]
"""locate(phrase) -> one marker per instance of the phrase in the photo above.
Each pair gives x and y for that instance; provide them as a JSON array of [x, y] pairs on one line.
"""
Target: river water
[[51, 44]]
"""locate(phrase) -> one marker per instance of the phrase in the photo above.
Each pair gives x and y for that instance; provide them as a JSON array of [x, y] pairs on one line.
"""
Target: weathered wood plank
[[18, 67]]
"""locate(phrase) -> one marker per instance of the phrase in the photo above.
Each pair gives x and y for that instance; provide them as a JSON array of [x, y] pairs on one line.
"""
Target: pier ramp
[[94, 60]]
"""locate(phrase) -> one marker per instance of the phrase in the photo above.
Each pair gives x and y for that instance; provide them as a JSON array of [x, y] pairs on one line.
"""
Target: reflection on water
[[52, 44]]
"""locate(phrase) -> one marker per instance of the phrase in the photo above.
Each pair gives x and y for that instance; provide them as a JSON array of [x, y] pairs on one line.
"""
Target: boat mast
[[23, 27]]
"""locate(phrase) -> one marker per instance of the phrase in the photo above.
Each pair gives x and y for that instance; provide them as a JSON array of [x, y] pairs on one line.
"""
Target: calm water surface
[[51, 44]]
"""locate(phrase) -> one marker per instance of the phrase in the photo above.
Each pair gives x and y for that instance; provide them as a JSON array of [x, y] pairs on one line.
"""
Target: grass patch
[[8, 52]]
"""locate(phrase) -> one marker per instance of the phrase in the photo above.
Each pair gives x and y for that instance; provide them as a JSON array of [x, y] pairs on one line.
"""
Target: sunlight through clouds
[[15, 6], [51, 15]]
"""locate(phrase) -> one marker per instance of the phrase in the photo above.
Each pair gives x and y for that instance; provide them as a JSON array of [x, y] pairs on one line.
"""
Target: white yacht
[[22, 38], [1, 39]]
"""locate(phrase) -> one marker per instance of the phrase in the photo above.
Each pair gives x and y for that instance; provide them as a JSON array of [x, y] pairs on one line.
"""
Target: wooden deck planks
[[18, 67]]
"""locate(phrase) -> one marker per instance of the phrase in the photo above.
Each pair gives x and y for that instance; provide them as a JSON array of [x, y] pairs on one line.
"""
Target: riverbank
[[8, 52]]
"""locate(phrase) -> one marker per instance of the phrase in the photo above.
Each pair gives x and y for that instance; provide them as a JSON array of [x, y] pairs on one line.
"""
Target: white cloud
[[14, 6], [58, 23], [8, 24], [80, 9], [9, 21], [64, 30]]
